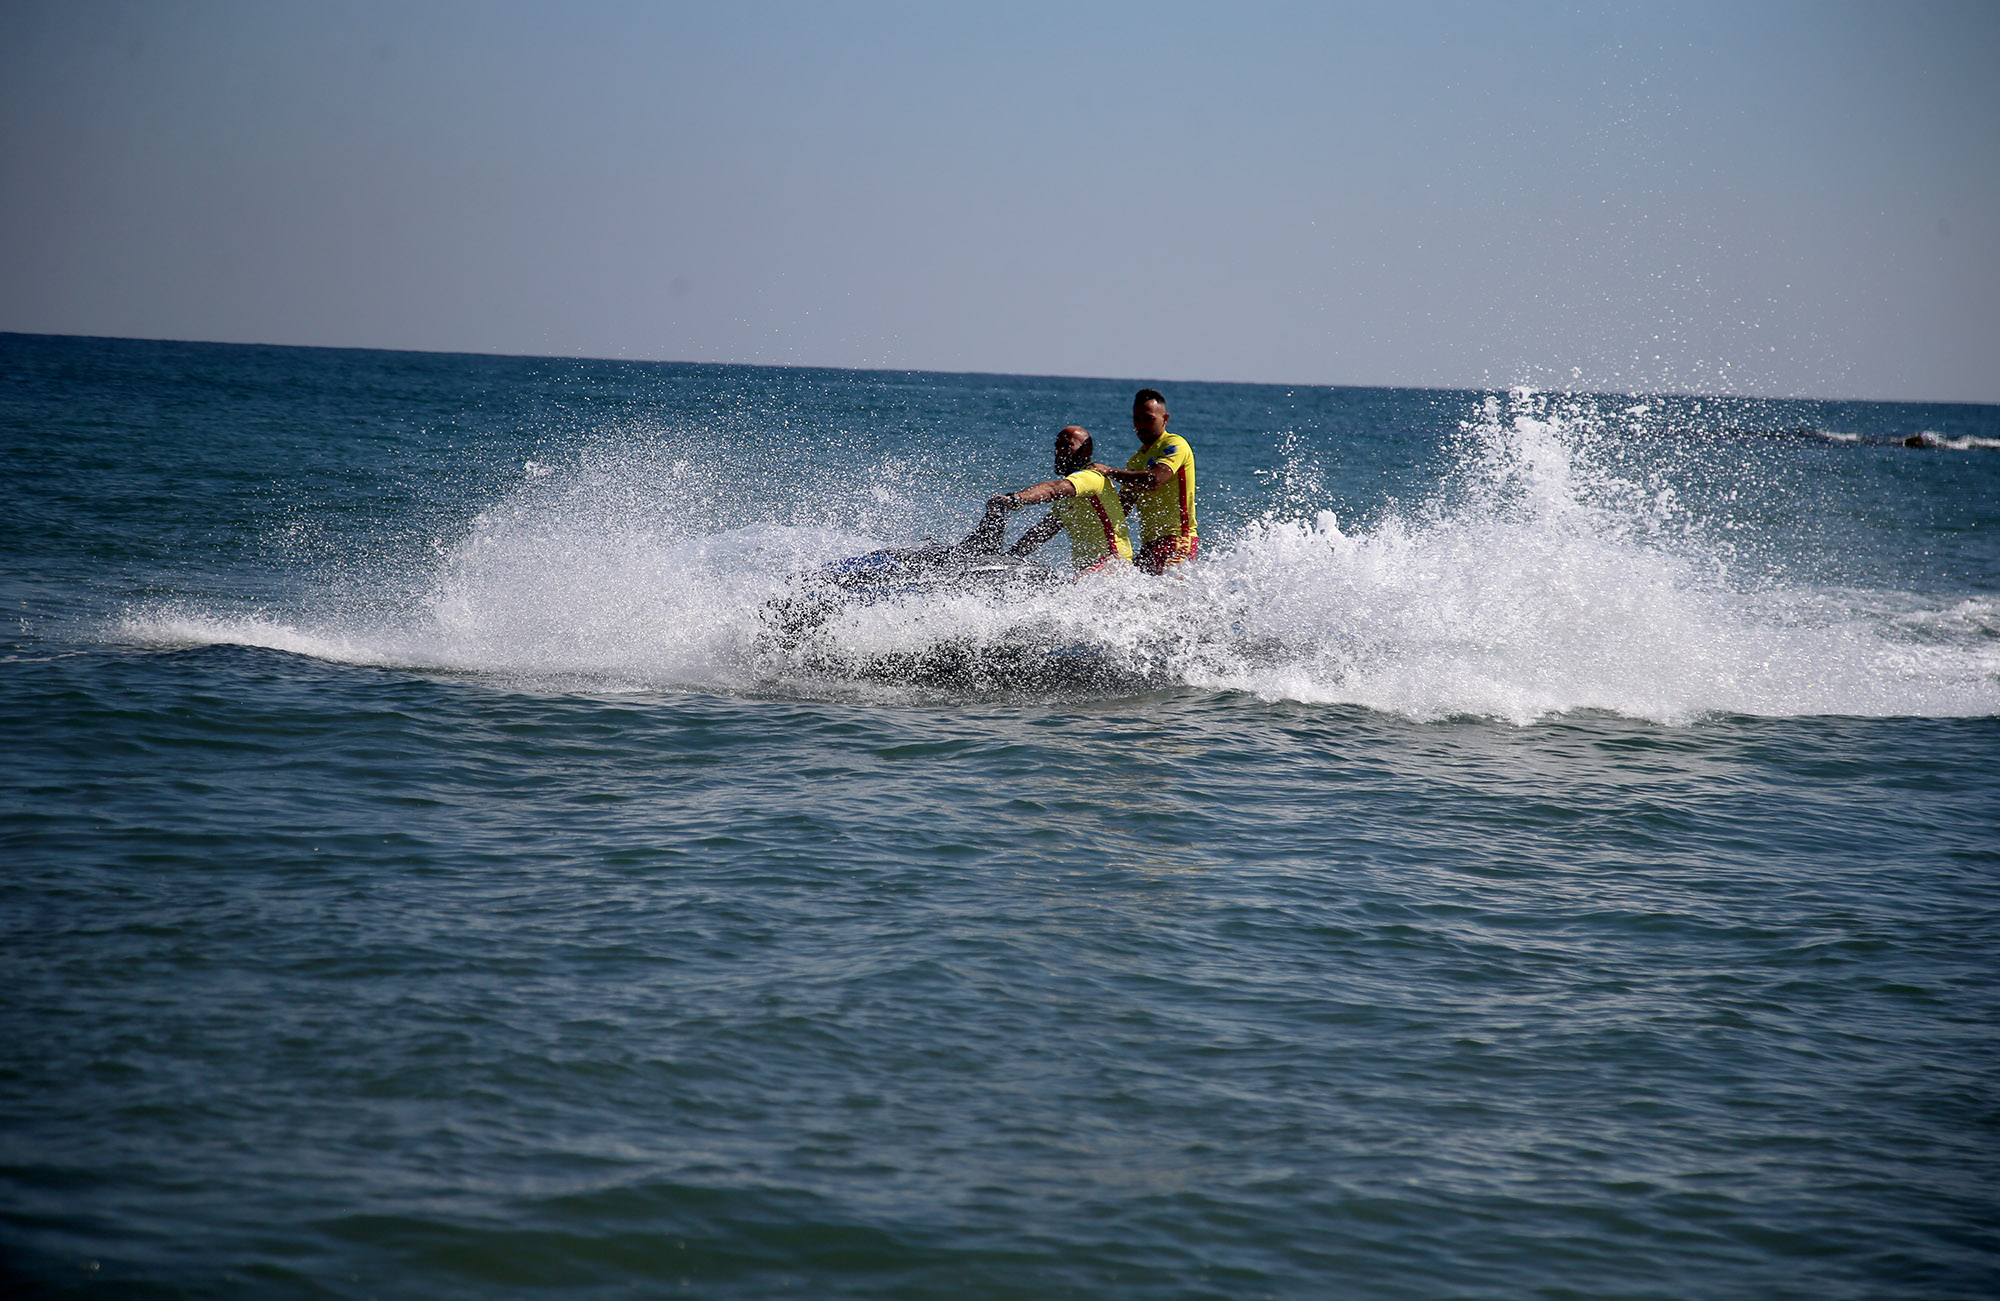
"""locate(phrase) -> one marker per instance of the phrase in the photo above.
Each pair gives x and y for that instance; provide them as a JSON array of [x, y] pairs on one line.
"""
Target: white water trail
[[1539, 583], [1534, 582]]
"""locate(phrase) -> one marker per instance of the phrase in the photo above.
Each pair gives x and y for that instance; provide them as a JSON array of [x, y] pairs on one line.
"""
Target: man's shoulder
[[1088, 481]]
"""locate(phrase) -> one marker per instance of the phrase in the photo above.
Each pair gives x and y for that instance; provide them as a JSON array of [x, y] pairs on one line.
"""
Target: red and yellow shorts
[[1156, 555]]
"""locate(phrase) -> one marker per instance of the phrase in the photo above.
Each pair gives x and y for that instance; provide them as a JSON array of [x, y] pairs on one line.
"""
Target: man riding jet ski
[[1084, 504]]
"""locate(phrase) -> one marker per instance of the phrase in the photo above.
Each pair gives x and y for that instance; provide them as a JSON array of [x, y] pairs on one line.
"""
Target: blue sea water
[[1548, 845]]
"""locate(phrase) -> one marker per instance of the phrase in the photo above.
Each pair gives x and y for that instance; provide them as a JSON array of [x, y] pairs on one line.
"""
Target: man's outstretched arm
[[1034, 496], [992, 530]]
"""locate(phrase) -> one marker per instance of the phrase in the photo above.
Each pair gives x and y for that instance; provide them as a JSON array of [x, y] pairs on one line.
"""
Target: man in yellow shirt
[[1083, 504], [1159, 482]]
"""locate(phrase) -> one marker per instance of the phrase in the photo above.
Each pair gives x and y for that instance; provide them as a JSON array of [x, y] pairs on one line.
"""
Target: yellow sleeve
[[1087, 482], [1177, 455]]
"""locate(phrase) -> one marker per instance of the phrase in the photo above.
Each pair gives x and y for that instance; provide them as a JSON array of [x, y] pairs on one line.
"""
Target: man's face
[[1068, 443], [1149, 420]]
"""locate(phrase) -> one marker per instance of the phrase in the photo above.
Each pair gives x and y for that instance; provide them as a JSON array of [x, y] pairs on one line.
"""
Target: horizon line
[[998, 374]]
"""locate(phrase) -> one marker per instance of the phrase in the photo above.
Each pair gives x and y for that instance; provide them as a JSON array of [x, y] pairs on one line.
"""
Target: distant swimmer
[[1084, 504], [1158, 481]]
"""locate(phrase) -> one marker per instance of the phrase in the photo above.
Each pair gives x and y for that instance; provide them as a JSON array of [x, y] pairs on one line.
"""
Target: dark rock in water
[[1762, 431]]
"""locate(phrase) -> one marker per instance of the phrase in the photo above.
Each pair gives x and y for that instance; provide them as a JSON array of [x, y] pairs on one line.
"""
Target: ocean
[[1547, 845]]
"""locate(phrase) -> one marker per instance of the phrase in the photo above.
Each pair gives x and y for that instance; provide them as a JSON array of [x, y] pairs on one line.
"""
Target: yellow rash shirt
[[1168, 510], [1094, 521]]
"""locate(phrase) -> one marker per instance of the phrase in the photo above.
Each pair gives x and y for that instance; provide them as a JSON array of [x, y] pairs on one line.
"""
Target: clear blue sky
[[1767, 198]]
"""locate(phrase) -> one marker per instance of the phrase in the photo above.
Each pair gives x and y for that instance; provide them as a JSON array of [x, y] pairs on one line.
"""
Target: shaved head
[[1073, 449]]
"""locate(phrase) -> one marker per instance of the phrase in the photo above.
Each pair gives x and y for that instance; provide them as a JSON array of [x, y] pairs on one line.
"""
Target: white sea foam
[[1536, 581], [1942, 442]]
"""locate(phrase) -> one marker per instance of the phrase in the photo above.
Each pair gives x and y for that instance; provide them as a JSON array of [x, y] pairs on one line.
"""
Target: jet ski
[[900, 573], [1030, 656]]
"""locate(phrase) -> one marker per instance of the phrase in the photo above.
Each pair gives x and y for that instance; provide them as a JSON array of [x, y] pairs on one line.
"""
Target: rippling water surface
[[1546, 847]]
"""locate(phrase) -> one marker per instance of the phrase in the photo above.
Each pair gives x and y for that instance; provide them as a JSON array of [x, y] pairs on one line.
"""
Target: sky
[[1787, 199]]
